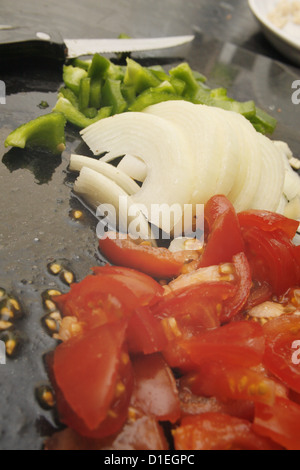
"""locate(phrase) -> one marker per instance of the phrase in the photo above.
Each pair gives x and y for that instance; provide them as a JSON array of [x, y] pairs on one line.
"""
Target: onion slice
[[77, 162], [162, 146]]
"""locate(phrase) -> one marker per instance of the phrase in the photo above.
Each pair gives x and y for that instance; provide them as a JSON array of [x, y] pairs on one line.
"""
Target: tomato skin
[[233, 306], [108, 295], [280, 422], [218, 431], [280, 334], [144, 287], [145, 333], [224, 237], [272, 259], [86, 370], [157, 262], [155, 392], [231, 382], [237, 343], [268, 222]]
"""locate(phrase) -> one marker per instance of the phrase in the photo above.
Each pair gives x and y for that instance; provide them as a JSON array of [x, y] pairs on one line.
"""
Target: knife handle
[[25, 43]]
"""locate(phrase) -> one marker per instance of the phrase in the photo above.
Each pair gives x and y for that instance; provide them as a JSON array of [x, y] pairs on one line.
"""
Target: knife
[[17, 42]]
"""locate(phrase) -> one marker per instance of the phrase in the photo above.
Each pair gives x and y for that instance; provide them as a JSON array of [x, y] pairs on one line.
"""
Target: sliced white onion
[[164, 149], [292, 209], [211, 145], [270, 188], [133, 167], [77, 162], [97, 190]]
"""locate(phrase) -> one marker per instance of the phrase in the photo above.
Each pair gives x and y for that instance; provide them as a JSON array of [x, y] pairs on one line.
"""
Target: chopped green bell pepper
[[140, 77], [112, 96], [46, 131], [72, 77], [74, 116]]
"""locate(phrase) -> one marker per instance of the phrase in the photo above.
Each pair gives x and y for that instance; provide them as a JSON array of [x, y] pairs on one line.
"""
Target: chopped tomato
[[108, 296], [93, 376], [272, 259], [280, 334], [232, 307], [238, 343], [218, 431], [260, 292], [157, 262], [280, 422], [224, 237], [155, 392], [268, 222], [145, 332], [144, 287], [226, 381]]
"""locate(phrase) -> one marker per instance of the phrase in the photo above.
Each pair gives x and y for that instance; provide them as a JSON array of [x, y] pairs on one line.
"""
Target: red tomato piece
[[268, 222], [280, 422], [155, 392], [144, 287], [280, 357], [225, 381], [272, 259], [145, 332], [197, 306], [157, 262], [224, 238], [218, 431], [107, 296], [94, 377], [237, 343], [232, 307]]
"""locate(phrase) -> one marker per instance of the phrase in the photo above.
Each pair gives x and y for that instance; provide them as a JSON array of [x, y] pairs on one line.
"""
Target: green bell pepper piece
[[152, 96], [140, 77], [46, 131], [112, 96], [263, 122], [84, 93], [72, 77], [184, 72], [67, 93], [74, 116]]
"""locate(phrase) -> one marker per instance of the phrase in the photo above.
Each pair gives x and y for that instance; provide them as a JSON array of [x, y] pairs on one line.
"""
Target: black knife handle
[[25, 43]]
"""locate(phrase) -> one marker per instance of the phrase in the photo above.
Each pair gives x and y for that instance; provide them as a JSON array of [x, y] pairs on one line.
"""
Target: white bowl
[[285, 40]]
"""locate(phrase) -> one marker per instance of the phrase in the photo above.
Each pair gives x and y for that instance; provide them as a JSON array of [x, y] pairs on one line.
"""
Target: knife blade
[[17, 42]]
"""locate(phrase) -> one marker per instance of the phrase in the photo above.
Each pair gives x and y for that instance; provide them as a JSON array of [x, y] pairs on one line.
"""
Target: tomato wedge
[[94, 377], [280, 334], [218, 431], [268, 222], [272, 258], [280, 422], [224, 238], [157, 262], [237, 343], [108, 295], [231, 382]]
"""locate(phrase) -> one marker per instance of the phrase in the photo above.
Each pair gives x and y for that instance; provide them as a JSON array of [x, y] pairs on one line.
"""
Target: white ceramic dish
[[286, 40]]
